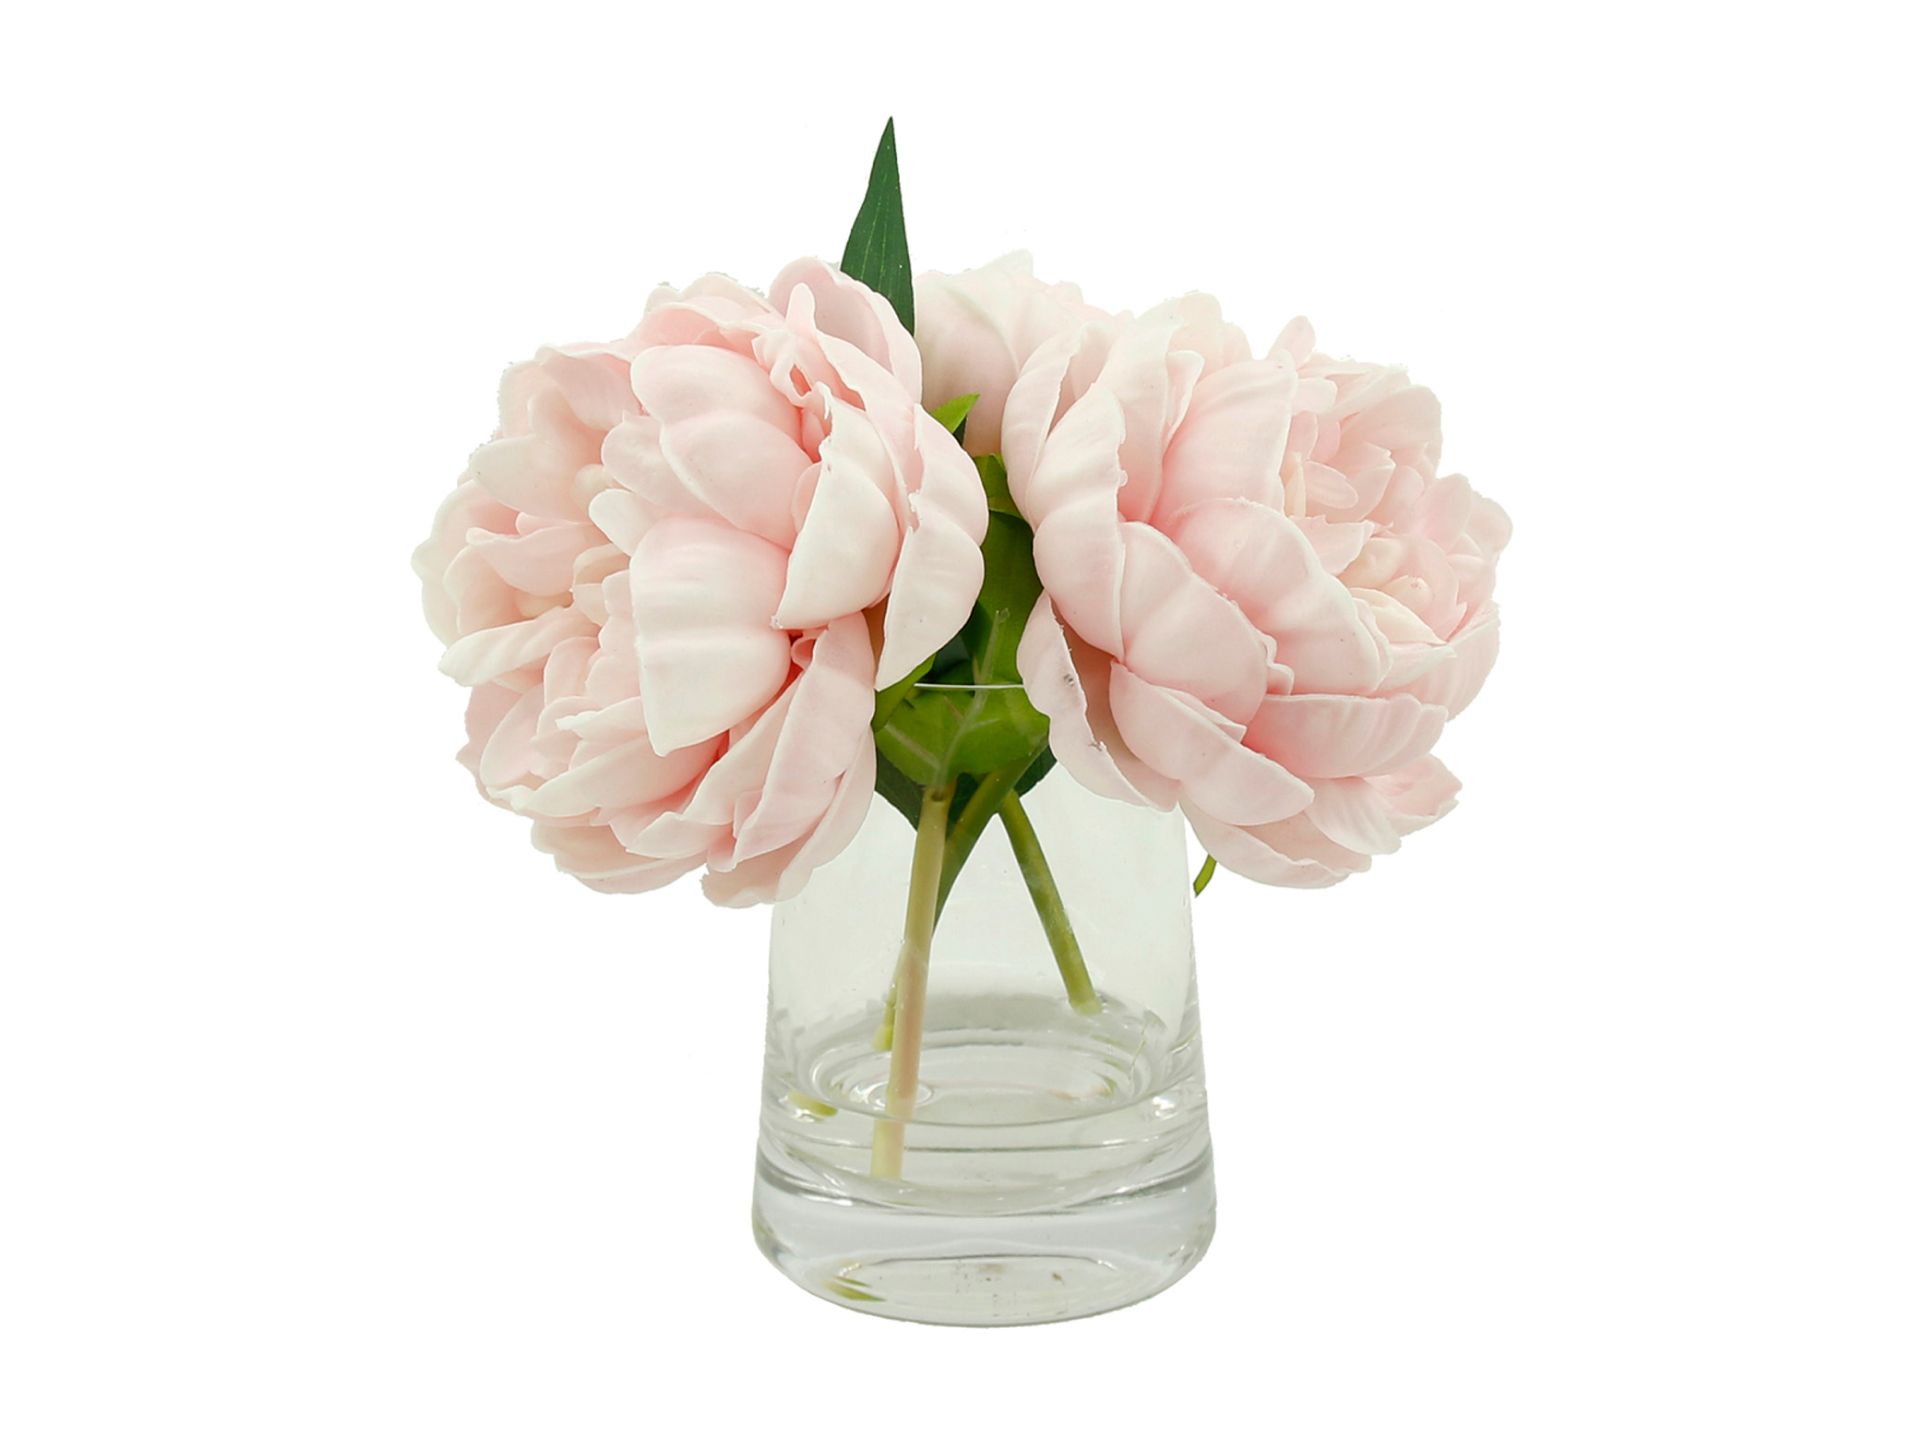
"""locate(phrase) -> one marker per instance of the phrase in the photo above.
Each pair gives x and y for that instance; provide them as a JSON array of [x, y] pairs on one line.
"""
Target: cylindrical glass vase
[[1054, 1159]]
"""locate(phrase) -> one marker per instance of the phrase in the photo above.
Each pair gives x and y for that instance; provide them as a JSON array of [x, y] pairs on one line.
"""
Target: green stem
[[1052, 910], [909, 1013], [961, 836], [1205, 876], [984, 803]]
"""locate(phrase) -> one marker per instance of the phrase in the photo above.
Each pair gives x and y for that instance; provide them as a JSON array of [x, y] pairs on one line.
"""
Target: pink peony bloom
[[1263, 602], [977, 330], [664, 578]]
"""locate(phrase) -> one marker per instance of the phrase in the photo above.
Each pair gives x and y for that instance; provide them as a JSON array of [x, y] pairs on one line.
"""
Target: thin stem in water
[[909, 1009], [962, 835], [1052, 910]]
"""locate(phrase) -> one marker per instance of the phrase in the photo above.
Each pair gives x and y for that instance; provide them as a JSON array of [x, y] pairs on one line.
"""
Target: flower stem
[[909, 1010], [984, 803], [962, 835], [1052, 910]]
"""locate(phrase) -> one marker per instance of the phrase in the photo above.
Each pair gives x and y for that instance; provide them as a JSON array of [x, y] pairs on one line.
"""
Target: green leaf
[[1035, 772], [888, 700], [999, 495], [953, 413], [876, 249], [896, 790], [1205, 876]]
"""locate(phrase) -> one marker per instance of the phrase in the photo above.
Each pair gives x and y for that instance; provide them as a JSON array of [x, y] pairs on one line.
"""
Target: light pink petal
[[1405, 420], [1354, 814], [1488, 527], [940, 567], [1153, 385], [534, 473], [1059, 374], [506, 760], [1336, 545], [826, 729], [1330, 736], [1186, 742], [627, 774], [685, 382], [593, 382], [781, 874], [591, 855], [743, 469], [847, 310], [1264, 563], [1393, 619], [1232, 440], [1418, 794], [496, 653], [486, 708], [1083, 736], [1454, 683], [1295, 342], [1182, 633], [703, 598], [1289, 852], [850, 537], [539, 562], [1071, 500]]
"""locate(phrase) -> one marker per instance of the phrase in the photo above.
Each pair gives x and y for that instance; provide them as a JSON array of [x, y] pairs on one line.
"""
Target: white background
[[327, 1108]]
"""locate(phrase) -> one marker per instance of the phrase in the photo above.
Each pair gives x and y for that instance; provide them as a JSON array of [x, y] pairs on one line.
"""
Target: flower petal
[[1265, 564], [1330, 736], [1232, 440], [1069, 685], [703, 598], [1186, 742], [849, 536], [940, 566]]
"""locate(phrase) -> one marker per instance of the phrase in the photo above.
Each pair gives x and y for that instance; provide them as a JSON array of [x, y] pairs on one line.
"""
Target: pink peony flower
[[977, 329], [667, 574], [1263, 602]]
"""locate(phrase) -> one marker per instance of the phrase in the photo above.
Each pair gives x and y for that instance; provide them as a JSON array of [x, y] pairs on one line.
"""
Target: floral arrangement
[[717, 584]]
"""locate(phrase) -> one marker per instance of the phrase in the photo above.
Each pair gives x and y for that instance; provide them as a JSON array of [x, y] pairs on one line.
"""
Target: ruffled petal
[[1332, 736], [940, 566], [1201, 750], [850, 535], [684, 382], [703, 598], [1289, 852], [495, 653], [825, 731], [1182, 633], [1232, 440], [1083, 736], [1265, 564]]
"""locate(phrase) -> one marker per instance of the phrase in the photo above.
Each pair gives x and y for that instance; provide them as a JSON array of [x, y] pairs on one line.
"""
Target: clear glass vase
[[1053, 1159]]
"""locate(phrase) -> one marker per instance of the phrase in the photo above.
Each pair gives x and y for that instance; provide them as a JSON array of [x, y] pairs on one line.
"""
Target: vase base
[[1002, 1269]]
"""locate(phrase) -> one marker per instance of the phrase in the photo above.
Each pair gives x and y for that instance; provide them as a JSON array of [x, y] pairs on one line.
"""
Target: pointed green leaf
[[896, 789], [1035, 772], [953, 413], [876, 249], [999, 494]]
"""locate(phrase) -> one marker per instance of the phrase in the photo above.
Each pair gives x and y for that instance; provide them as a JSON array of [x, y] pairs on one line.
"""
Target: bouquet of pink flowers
[[716, 584]]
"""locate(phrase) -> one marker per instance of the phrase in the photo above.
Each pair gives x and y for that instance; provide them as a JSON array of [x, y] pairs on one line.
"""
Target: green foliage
[[953, 413], [964, 713], [876, 249]]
